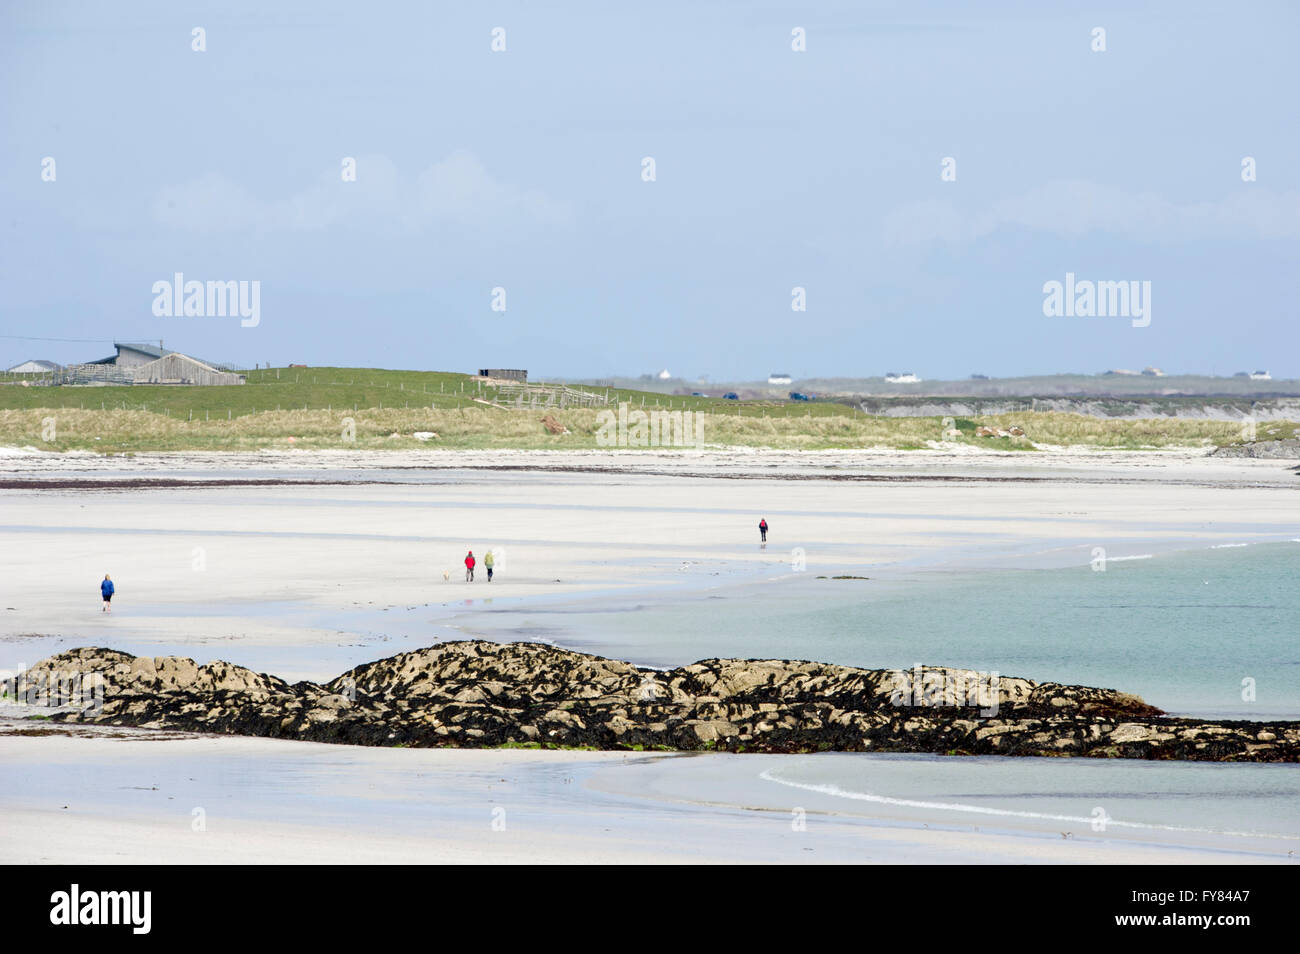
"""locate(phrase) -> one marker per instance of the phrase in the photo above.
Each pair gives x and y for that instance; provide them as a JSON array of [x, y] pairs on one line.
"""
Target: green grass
[[267, 390], [306, 408], [1270, 431], [339, 389]]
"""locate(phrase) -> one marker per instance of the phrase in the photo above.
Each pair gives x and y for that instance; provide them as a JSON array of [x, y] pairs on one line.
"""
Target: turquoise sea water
[[1139, 797], [1253, 807], [1193, 632], [1188, 631]]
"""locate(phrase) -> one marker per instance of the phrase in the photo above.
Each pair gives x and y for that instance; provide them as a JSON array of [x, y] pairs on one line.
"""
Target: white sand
[[105, 800], [253, 574], [184, 560]]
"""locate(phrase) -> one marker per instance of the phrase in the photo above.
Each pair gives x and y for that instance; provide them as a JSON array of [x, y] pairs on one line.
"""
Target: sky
[[518, 177]]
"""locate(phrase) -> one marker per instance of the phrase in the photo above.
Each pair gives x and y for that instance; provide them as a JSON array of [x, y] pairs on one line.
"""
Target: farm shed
[[177, 368], [35, 366]]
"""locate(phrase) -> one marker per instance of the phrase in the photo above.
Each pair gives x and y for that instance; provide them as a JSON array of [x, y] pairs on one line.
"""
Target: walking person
[[488, 561], [469, 567], [762, 530], [106, 590]]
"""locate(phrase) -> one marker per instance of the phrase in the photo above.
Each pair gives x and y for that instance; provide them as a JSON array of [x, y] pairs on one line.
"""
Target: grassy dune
[[306, 408], [118, 431]]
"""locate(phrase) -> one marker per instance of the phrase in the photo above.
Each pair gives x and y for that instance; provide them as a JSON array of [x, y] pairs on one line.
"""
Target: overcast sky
[[774, 168]]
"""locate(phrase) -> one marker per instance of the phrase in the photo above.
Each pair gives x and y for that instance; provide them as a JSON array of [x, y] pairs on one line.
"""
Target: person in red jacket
[[762, 528], [469, 567]]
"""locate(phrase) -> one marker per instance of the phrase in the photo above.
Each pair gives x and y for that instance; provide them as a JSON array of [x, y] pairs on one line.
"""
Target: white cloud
[[459, 190], [1072, 208]]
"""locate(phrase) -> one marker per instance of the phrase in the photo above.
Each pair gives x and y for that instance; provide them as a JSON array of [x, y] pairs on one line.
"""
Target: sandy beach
[[192, 565], [298, 578], [215, 800]]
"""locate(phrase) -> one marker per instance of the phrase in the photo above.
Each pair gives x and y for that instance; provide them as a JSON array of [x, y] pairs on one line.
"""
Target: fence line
[[549, 395]]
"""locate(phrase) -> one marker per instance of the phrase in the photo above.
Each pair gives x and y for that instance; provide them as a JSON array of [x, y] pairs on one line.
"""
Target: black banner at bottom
[[338, 904]]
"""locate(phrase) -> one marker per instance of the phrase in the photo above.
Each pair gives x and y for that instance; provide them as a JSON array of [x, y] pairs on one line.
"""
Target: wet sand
[[215, 800]]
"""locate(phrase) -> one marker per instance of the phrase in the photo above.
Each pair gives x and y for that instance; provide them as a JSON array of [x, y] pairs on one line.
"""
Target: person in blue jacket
[[106, 590]]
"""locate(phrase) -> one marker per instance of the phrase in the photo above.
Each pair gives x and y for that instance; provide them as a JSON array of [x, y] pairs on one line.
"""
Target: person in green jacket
[[488, 561]]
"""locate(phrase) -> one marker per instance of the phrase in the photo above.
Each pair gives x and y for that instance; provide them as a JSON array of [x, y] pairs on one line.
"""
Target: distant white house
[[1153, 372], [35, 366], [907, 377], [664, 375], [1260, 376], [779, 377]]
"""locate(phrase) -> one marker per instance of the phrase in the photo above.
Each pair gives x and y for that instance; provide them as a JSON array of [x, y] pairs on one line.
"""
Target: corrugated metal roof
[[152, 350], [156, 352], [178, 356]]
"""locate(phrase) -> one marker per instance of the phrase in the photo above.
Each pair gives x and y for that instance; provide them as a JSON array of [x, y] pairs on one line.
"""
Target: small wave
[[1226, 546], [837, 792], [1139, 556]]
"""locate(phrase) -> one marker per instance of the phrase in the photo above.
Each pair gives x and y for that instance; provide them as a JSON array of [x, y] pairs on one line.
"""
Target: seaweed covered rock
[[475, 693]]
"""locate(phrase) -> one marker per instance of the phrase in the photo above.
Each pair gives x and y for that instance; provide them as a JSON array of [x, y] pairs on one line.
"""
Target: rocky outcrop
[[1286, 449], [479, 694]]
